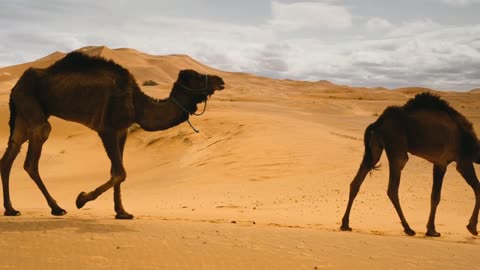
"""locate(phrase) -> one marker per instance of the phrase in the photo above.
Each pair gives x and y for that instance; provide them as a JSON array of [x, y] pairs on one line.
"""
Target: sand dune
[[262, 186]]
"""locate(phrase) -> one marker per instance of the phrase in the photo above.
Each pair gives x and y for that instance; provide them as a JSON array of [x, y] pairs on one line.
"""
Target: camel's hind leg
[[111, 141], [38, 136], [19, 136], [438, 174], [368, 163], [397, 159], [468, 172]]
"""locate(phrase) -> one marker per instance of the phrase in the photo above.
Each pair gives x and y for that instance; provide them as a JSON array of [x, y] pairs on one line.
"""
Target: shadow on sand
[[75, 225]]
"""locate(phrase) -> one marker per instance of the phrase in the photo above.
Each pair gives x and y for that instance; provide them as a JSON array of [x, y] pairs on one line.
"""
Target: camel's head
[[198, 86]]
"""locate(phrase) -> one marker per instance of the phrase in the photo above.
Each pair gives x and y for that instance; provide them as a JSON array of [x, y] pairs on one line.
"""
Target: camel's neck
[[153, 115]]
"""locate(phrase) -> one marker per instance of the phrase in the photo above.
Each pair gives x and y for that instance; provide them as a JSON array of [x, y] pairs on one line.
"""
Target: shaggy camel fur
[[428, 127], [101, 95]]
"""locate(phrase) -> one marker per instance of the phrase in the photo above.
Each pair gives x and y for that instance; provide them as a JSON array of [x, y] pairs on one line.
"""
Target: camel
[[103, 96], [427, 127]]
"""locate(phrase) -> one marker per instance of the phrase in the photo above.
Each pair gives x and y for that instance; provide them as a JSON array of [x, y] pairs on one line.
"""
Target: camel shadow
[[75, 225]]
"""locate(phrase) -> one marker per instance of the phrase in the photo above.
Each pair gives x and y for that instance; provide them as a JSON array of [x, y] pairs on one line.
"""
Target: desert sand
[[262, 186]]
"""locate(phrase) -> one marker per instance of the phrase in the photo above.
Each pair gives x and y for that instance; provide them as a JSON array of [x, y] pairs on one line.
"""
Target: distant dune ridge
[[262, 186], [145, 66]]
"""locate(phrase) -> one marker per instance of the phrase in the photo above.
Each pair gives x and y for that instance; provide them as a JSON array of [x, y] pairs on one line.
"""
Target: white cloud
[[300, 40], [309, 15], [415, 27], [378, 24], [461, 2], [272, 59], [223, 45], [440, 58]]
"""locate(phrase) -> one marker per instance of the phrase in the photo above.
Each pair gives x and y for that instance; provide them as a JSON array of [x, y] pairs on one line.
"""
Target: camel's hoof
[[80, 202], [124, 215], [58, 212], [11, 213], [433, 234], [410, 232], [345, 228], [472, 229]]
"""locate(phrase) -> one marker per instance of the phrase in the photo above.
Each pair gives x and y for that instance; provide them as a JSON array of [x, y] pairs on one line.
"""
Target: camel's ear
[[184, 75]]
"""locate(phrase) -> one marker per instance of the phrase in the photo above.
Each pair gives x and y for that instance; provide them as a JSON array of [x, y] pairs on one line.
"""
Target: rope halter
[[202, 91]]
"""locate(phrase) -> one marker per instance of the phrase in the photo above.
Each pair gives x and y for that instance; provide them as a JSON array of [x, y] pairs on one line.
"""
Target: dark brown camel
[[426, 126], [101, 95]]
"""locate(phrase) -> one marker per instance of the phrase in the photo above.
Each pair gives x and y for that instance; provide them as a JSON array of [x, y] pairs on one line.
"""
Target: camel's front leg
[[113, 142], [438, 174]]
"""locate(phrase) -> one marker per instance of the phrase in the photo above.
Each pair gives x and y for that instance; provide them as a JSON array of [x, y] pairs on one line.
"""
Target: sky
[[388, 43]]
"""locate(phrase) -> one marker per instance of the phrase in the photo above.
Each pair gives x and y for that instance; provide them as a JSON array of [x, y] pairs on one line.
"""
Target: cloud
[[309, 15], [272, 60], [461, 3], [436, 56], [414, 27], [233, 45], [378, 24], [303, 40]]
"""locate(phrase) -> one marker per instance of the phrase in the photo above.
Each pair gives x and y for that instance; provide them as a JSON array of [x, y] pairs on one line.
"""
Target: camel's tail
[[373, 146], [13, 114]]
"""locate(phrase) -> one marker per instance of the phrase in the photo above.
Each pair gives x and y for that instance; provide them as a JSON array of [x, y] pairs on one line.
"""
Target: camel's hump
[[428, 101], [78, 61], [432, 102]]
